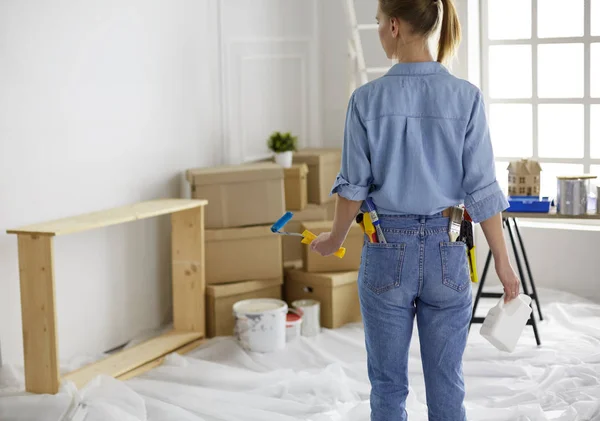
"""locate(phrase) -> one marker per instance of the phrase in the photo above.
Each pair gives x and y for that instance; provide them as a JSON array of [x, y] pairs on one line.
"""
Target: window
[[522, 190], [539, 61]]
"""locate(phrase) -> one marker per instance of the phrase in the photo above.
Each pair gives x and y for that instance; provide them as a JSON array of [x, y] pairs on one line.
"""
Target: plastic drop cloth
[[325, 378]]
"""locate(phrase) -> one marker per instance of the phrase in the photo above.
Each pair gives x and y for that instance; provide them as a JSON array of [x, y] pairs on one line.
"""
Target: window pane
[[559, 18], [561, 130], [595, 169], [595, 70], [517, 12], [560, 71], [596, 17], [511, 130], [502, 175], [510, 71], [551, 171], [595, 131]]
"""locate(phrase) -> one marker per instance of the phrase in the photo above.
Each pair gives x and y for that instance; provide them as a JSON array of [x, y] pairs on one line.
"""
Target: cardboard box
[[242, 254], [292, 247], [337, 294], [323, 168], [241, 195], [314, 262], [221, 298], [296, 195]]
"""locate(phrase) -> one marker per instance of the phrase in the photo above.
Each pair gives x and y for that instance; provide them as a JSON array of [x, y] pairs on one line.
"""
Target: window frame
[[587, 101]]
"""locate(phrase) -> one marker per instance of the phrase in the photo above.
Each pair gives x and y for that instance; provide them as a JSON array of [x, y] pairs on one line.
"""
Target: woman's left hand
[[325, 244]]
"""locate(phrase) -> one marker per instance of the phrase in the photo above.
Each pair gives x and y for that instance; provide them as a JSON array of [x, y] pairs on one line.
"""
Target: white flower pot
[[284, 159]]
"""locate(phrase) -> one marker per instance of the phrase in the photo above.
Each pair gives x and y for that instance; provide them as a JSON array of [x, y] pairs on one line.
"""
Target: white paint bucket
[[260, 324], [293, 324], [311, 323]]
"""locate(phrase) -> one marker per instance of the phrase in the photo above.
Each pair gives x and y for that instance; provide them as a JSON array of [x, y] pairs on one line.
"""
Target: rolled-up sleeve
[[484, 197], [354, 179]]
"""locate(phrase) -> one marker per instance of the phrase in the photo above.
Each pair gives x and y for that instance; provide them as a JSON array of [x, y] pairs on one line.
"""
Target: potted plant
[[283, 145]]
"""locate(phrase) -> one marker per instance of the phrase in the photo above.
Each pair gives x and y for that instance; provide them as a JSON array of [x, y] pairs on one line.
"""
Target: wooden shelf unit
[[38, 312]]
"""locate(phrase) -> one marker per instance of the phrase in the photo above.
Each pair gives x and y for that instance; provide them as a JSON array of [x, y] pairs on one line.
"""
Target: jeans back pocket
[[455, 266], [383, 266]]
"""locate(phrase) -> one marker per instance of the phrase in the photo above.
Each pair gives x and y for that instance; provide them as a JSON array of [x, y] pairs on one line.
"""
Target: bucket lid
[[259, 306]]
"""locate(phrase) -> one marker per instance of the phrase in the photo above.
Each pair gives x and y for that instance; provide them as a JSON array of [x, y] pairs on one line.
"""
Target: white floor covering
[[324, 378]]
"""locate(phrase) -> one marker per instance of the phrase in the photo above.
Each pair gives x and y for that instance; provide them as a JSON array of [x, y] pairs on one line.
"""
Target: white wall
[[563, 256], [102, 104], [106, 103], [270, 57], [334, 31]]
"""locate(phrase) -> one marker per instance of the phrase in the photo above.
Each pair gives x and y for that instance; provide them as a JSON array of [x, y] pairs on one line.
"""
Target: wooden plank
[[158, 362], [188, 270], [551, 215], [109, 217], [129, 359], [36, 272]]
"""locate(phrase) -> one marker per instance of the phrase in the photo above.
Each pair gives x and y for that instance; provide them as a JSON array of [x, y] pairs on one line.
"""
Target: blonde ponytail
[[449, 32]]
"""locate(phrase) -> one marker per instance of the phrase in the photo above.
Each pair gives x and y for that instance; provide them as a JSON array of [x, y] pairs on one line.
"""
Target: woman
[[417, 143]]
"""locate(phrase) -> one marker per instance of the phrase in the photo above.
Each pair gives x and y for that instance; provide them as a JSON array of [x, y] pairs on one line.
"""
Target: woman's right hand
[[509, 280]]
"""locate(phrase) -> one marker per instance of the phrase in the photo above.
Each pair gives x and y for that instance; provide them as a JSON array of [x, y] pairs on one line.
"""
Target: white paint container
[[293, 325], [311, 324], [504, 323], [260, 324]]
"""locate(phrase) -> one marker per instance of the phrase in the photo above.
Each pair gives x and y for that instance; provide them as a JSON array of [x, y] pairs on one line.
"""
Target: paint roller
[[307, 236]]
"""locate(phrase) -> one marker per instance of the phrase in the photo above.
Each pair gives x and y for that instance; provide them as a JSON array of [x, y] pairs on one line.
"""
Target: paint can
[[260, 324], [573, 193], [293, 324], [311, 325], [572, 196]]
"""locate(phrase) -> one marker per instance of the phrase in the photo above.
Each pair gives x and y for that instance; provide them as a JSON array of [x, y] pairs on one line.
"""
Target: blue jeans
[[418, 272]]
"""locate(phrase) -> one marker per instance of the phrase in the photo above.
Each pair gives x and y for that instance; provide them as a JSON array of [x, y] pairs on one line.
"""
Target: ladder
[[358, 70]]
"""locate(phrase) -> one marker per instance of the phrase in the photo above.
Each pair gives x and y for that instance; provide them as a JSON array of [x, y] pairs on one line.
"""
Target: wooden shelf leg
[[36, 271], [187, 242]]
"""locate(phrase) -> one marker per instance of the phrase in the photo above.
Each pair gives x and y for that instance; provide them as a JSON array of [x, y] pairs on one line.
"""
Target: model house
[[524, 178]]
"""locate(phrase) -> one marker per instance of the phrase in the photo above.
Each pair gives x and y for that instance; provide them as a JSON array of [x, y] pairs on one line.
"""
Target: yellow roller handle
[[309, 237]]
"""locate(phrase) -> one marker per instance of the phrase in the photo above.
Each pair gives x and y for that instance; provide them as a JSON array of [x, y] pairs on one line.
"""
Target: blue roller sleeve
[[280, 223]]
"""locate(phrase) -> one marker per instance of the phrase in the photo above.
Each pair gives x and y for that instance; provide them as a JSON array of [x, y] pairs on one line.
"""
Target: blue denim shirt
[[417, 141]]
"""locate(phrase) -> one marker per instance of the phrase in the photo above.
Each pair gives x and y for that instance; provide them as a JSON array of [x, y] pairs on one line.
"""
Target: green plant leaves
[[282, 142]]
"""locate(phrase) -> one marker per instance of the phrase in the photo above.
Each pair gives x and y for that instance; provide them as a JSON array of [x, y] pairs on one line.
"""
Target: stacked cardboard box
[[243, 258], [323, 167], [337, 293], [296, 188], [221, 298], [330, 280]]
